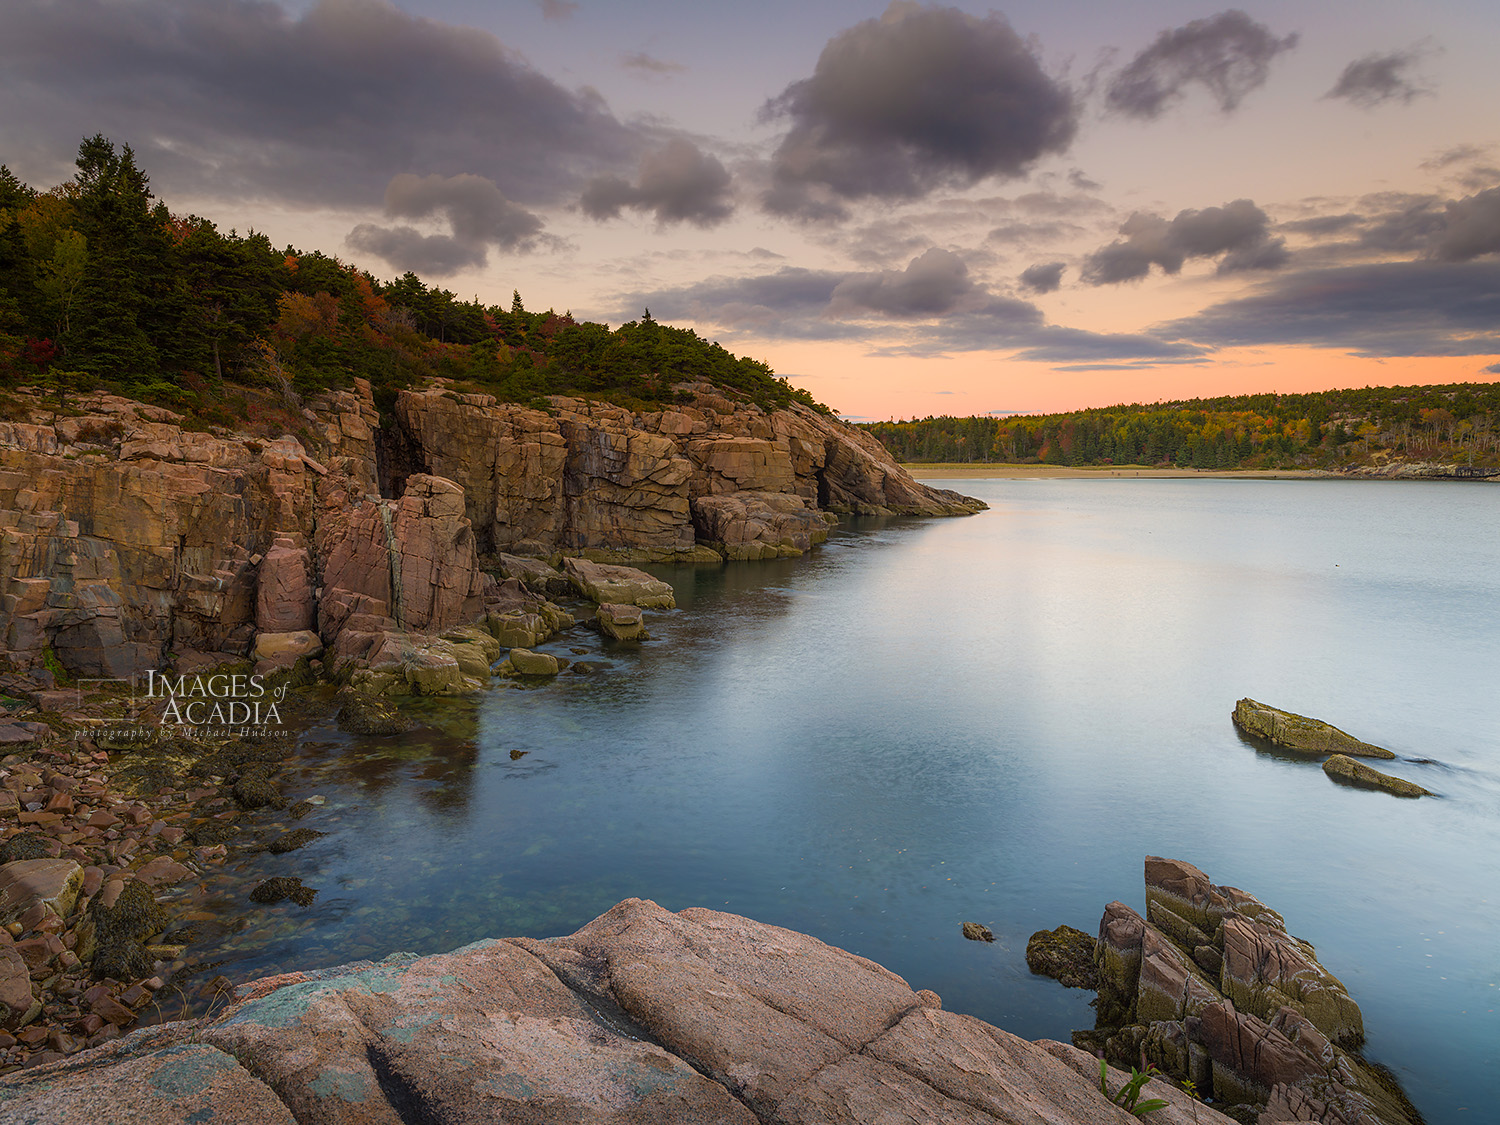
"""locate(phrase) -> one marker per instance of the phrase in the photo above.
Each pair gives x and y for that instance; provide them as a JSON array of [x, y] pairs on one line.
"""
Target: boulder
[[433, 673], [621, 585], [25, 883], [758, 525], [1300, 733], [640, 1016], [535, 575], [285, 648], [1347, 771], [622, 622], [1064, 954], [528, 663]]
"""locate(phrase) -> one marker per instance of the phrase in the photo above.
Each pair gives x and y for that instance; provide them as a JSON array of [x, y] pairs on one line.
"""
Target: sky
[[906, 209]]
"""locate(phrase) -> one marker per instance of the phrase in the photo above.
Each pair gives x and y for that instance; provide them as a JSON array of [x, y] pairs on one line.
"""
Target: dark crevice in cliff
[[398, 455]]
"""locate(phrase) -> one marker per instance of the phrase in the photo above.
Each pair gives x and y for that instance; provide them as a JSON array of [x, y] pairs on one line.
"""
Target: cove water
[[989, 719]]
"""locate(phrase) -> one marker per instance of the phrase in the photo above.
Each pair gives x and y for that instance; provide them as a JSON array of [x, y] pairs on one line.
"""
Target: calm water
[[989, 719]]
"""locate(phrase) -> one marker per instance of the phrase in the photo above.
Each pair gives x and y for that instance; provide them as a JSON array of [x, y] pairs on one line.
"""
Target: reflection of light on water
[[988, 718]]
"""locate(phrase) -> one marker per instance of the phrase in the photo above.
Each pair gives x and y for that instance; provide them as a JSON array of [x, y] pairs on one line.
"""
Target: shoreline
[[1003, 471]]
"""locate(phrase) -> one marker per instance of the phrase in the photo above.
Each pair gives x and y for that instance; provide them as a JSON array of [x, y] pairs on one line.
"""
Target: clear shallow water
[[990, 719]]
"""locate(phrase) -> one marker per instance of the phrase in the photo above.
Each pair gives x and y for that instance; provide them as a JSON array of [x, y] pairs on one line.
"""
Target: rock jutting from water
[[1210, 988], [640, 1016], [1347, 771], [1300, 733]]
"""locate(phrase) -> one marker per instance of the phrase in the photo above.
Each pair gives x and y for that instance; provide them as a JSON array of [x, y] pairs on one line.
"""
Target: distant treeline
[[1325, 429], [100, 286]]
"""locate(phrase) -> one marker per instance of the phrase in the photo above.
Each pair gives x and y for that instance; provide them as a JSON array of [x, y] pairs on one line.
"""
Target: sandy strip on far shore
[[1100, 472]]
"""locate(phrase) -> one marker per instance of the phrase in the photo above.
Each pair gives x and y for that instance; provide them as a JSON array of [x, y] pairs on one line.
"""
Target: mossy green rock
[[1347, 771], [1300, 733], [1064, 954]]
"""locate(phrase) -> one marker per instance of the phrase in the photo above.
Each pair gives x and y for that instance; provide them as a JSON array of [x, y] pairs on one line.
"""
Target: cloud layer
[[1239, 231], [1229, 55], [245, 100], [917, 99]]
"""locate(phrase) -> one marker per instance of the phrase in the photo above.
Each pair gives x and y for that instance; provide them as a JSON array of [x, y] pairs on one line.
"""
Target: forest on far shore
[[1322, 430], [102, 287]]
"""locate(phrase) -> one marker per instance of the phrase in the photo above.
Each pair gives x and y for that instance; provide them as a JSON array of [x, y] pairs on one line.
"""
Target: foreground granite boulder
[[1299, 733], [1210, 988], [641, 1016]]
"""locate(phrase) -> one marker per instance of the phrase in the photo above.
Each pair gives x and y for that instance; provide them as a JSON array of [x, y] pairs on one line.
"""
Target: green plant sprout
[[1129, 1093]]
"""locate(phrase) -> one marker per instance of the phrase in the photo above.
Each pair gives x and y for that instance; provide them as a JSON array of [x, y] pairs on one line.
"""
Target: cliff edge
[[128, 541]]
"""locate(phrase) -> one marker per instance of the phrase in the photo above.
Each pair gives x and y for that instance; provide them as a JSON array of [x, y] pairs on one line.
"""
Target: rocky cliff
[[128, 541], [641, 1016], [1211, 988]]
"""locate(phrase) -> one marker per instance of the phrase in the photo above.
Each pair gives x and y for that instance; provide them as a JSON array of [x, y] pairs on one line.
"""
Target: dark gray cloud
[[1323, 226], [1492, 369], [917, 99], [1229, 55], [1045, 277], [478, 216], [930, 285], [406, 248], [677, 183], [932, 307], [1471, 227], [1375, 79], [1240, 231], [1401, 222], [1421, 308], [240, 98], [649, 64]]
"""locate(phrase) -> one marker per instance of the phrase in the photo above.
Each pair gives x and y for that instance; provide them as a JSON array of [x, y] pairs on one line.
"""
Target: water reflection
[[987, 719]]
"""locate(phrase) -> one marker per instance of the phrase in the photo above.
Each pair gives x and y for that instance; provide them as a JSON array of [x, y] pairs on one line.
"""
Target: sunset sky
[[908, 210]]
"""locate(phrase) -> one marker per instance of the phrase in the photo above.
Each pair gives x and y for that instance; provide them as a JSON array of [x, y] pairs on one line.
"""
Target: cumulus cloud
[[1420, 308], [677, 183], [1045, 277], [930, 285], [406, 248], [1239, 231], [1229, 55], [478, 216], [917, 99], [241, 97], [1471, 227], [1375, 79]]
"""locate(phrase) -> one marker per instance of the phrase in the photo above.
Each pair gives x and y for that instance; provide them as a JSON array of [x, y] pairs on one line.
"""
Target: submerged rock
[[282, 887], [1346, 770], [975, 932], [363, 713], [1300, 733]]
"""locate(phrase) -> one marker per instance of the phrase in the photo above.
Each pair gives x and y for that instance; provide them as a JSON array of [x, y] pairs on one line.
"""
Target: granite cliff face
[[641, 1016], [127, 540]]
